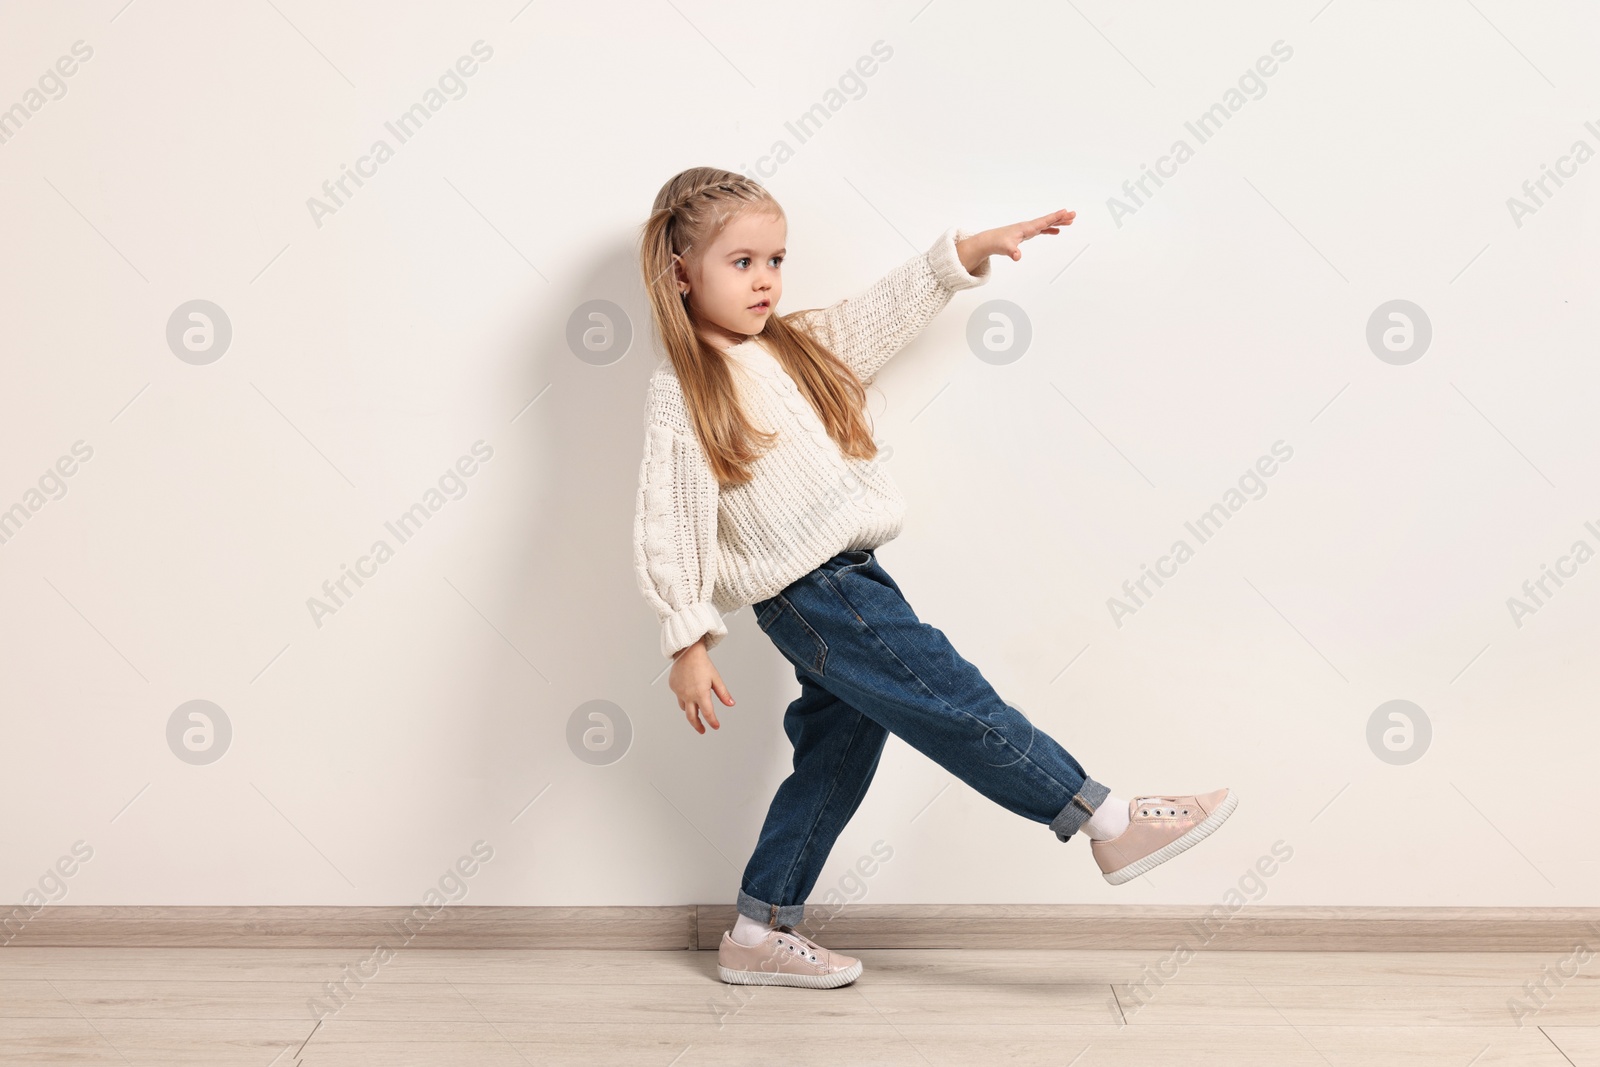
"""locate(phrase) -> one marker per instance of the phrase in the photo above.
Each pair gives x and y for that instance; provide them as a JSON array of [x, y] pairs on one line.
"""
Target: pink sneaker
[[1160, 827], [784, 958]]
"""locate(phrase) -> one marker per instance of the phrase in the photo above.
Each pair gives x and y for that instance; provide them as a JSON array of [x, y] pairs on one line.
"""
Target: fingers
[[688, 713], [700, 707], [722, 691], [1011, 246], [1049, 223], [694, 711]]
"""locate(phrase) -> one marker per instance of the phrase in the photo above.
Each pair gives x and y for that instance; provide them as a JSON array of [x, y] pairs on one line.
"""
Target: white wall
[[1171, 347]]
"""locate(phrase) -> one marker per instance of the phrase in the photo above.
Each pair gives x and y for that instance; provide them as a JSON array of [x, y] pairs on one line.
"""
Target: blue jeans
[[867, 666]]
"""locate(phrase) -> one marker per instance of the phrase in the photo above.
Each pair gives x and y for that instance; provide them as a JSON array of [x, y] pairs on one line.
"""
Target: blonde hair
[[691, 209]]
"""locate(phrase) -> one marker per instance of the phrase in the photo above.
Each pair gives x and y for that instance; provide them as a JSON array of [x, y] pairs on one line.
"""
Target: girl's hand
[[1007, 240], [694, 678]]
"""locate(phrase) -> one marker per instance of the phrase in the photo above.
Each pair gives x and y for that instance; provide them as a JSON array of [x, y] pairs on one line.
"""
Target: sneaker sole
[[813, 981], [1196, 833]]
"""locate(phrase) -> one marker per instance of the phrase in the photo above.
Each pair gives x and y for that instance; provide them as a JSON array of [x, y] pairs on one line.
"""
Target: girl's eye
[[776, 260]]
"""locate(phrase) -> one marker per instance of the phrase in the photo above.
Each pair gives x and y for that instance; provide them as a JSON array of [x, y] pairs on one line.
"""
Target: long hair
[[689, 212]]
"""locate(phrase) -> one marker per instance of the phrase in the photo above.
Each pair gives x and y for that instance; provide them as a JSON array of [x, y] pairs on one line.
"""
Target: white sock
[[1108, 820], [748, 932]]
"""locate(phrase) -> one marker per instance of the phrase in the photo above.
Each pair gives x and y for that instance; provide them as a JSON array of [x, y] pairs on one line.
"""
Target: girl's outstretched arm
[[867, 329]]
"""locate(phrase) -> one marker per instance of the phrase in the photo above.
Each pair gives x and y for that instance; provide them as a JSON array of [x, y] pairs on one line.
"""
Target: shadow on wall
[[578, 735]]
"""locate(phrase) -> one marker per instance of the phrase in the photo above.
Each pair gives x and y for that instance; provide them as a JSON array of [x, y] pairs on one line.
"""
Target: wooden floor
[[252, 1007]]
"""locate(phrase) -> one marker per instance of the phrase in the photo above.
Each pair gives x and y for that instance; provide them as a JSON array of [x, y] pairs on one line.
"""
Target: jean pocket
[[794, 637], [866, 580], [853, 558]]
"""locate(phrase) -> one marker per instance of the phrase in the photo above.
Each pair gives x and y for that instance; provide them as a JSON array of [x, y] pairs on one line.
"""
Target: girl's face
[[734, 285]]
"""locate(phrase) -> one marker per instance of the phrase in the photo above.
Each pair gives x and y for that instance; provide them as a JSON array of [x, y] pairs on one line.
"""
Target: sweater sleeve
[[866, 329], [675, 526]]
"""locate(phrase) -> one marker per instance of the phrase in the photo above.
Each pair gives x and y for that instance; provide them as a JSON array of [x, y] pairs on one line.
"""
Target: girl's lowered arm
[[675, 526]]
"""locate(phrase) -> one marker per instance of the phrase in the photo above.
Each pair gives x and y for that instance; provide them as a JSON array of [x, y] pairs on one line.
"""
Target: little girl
[[786, 516]]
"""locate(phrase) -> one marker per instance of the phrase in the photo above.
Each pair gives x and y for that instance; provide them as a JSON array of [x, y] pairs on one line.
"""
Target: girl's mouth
[[765, 305]]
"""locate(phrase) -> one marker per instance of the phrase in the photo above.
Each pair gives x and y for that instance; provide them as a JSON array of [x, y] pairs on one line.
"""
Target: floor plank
[[631, 1008], [1580, 1044]]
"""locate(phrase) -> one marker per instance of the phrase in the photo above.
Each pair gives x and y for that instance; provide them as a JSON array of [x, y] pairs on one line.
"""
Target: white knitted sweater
[[700, 550]]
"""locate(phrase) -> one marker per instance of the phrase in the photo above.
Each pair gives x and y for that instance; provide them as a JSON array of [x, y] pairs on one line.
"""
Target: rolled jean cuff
[[1079, 808], [772, 914]]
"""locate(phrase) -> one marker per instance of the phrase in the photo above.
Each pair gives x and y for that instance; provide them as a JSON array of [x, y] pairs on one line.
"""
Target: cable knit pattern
[[701, 550]]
